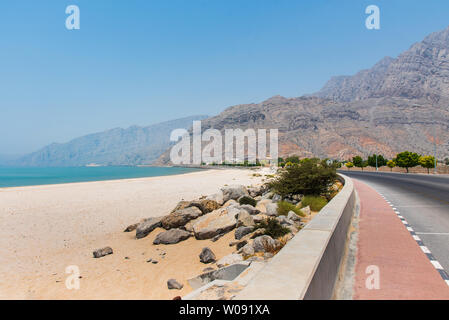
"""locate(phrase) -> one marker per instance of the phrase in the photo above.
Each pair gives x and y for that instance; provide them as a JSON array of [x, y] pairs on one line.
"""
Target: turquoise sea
[[17, 177]]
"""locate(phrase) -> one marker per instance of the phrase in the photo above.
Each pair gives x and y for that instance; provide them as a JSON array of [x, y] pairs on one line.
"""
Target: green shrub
[[285, 207], [311, 177], [272, 228], [247, 200], [316, 203]]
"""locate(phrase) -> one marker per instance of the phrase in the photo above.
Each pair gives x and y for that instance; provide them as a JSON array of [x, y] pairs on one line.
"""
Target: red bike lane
[[389, 262]]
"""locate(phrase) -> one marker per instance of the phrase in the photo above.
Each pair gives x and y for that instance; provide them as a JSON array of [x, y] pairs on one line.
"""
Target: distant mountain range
[[396, 105], [132, 146]]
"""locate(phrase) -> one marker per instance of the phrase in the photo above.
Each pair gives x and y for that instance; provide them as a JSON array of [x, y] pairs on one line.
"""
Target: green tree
[[381, 161], [391, 164], [427, 162], [349, 165], [446, 161], [292, 159], [310, 177], [407, 160], [359, 162]]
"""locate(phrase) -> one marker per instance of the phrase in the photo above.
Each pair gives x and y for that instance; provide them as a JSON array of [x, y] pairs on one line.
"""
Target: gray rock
[[207, 256], [171, 236], [144, 228], [266, 244], [285, 221], [234, 192], [251, 210], [272, 209], [241, 244], [217, 222], [240, 232], [247, 250], [131, 227], [229, 259], [231, 203], [276, 198], [173, 284], [205, 205], [180, 217], [102, 252], [293, 216], [259, 218], [256, 191], [245, 219]]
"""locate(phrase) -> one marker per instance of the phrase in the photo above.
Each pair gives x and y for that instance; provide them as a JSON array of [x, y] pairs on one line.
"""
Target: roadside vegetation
[[404, 160]]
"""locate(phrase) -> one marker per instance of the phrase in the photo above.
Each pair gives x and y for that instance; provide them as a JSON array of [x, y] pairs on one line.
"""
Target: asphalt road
[[423, 200]]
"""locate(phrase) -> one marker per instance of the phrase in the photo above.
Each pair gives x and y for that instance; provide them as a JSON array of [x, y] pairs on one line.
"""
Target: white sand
[[44, 229]]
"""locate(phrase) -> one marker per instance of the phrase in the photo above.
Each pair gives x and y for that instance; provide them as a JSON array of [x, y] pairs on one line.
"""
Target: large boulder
[[218, 197], [145, 227], [171, 236], [272, 209], [206, 205], [207, 256], [244, 219], [234, 192], [181, 217], [217, 222], [266, 244], [231, 203]]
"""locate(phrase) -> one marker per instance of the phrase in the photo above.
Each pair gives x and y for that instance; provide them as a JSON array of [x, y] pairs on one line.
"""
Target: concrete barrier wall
[[307, 267]]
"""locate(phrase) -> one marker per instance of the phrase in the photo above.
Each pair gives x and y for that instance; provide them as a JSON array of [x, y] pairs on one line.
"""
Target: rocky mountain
[[420, 72], [132, 146], [399, 104]]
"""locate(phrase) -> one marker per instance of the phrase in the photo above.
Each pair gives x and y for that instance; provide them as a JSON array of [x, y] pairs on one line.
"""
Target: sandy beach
[[48, 228]]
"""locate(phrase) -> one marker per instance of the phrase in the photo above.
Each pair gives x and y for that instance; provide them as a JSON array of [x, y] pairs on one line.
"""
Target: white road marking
[[425, 249], [436, 264], [434, 233]]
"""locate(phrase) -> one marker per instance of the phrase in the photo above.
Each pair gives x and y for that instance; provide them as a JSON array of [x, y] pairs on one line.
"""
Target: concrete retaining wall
[[307, 267]]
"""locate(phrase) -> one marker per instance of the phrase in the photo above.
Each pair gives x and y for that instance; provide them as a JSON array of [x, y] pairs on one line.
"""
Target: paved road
[[423, 200]]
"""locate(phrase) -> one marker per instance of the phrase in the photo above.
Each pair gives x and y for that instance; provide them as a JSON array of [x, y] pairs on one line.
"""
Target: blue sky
[[141, 62]]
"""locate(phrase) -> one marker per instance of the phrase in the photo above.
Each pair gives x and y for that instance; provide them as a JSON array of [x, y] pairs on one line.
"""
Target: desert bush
[[316, 203], [247, 200], [311, 177], [273, 228], [285, 207]]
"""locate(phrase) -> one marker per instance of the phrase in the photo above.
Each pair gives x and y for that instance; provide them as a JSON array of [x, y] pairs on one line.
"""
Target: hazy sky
[[142, 62]]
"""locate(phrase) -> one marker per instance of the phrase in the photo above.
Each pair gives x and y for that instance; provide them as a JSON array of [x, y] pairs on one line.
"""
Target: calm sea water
[[17, 177]]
